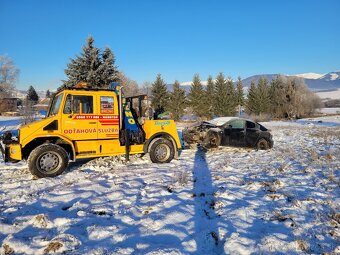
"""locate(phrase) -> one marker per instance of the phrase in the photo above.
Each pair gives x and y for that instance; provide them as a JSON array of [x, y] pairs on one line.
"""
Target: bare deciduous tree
[[291, 98], [8, 75], [130, 87]]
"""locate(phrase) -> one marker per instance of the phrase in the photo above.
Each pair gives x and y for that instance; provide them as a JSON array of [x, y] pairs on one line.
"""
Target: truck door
[[108, 122], [78, 119]]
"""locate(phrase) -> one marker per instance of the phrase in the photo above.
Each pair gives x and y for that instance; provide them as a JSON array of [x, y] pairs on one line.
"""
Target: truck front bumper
[[11, 152]]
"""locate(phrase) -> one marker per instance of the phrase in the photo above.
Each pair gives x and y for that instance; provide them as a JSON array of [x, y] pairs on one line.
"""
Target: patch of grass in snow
[[302, 245], [7, 249], [53, 247], [40, 221]]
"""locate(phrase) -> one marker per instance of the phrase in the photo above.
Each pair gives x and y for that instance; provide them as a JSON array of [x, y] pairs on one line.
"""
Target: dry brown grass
[[326, 135], [314, 156], [41, 220], [7, 249], [302, 245], [53, 247]]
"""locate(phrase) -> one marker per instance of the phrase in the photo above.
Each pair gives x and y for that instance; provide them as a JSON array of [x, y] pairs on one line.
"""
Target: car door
[[252, 133], [234, 133]]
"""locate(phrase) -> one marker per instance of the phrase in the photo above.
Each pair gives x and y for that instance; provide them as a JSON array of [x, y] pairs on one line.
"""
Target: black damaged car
[[229, 131]]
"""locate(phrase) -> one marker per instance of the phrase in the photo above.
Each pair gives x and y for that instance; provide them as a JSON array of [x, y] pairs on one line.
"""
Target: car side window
[[237, 124], [250, 124]]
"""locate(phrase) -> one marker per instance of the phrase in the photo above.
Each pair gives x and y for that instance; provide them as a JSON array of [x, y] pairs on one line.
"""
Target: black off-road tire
[[262, 144], [161, 151], [47, 160]]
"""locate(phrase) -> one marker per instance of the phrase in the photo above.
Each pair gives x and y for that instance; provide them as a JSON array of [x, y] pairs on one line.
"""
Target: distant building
[[8, 104], [42, 106]]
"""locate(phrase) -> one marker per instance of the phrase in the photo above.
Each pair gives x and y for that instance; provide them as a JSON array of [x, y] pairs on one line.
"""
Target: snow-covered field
[[334, 94], [334, 110], [224, 201]]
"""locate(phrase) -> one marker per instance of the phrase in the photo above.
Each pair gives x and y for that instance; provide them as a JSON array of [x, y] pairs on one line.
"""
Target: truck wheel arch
[[62, 142], [154, 137]]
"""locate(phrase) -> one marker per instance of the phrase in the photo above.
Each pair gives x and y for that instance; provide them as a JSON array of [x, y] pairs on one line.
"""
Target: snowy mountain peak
[[332, 76], [312, 76]]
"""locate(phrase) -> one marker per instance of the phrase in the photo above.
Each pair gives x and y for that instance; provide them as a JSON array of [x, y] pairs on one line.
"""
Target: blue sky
[[174, 38]]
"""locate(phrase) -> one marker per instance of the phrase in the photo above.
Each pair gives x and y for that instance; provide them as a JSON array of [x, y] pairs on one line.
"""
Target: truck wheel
[[262, 144], [47, 160], [161, 151]]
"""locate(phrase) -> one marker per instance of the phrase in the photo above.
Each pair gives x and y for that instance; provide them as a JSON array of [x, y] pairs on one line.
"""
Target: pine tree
[[221, 97], [196, 97], [159, 95], [239, 92], [177, 101], [108, 71], [252, 106], [231, 101], [263, 96], [91, 67], [210, 94], [48, 94], [32, 95]]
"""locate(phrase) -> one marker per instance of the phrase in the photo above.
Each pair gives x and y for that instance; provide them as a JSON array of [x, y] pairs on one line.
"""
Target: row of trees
[[219, 98], [284, 97]]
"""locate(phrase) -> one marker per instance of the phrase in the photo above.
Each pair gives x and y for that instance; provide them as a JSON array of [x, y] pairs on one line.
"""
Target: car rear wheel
[[47, 160], [161, 151], [262, 144]]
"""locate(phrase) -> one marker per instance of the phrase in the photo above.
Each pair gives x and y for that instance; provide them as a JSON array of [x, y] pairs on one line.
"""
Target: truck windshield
[[55, 105]]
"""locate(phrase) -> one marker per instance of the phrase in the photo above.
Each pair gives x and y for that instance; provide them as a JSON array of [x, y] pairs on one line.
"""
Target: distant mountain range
[[315, 82]]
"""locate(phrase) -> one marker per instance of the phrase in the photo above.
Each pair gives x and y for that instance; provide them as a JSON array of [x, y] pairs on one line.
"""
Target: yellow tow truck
[[88, 123]]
